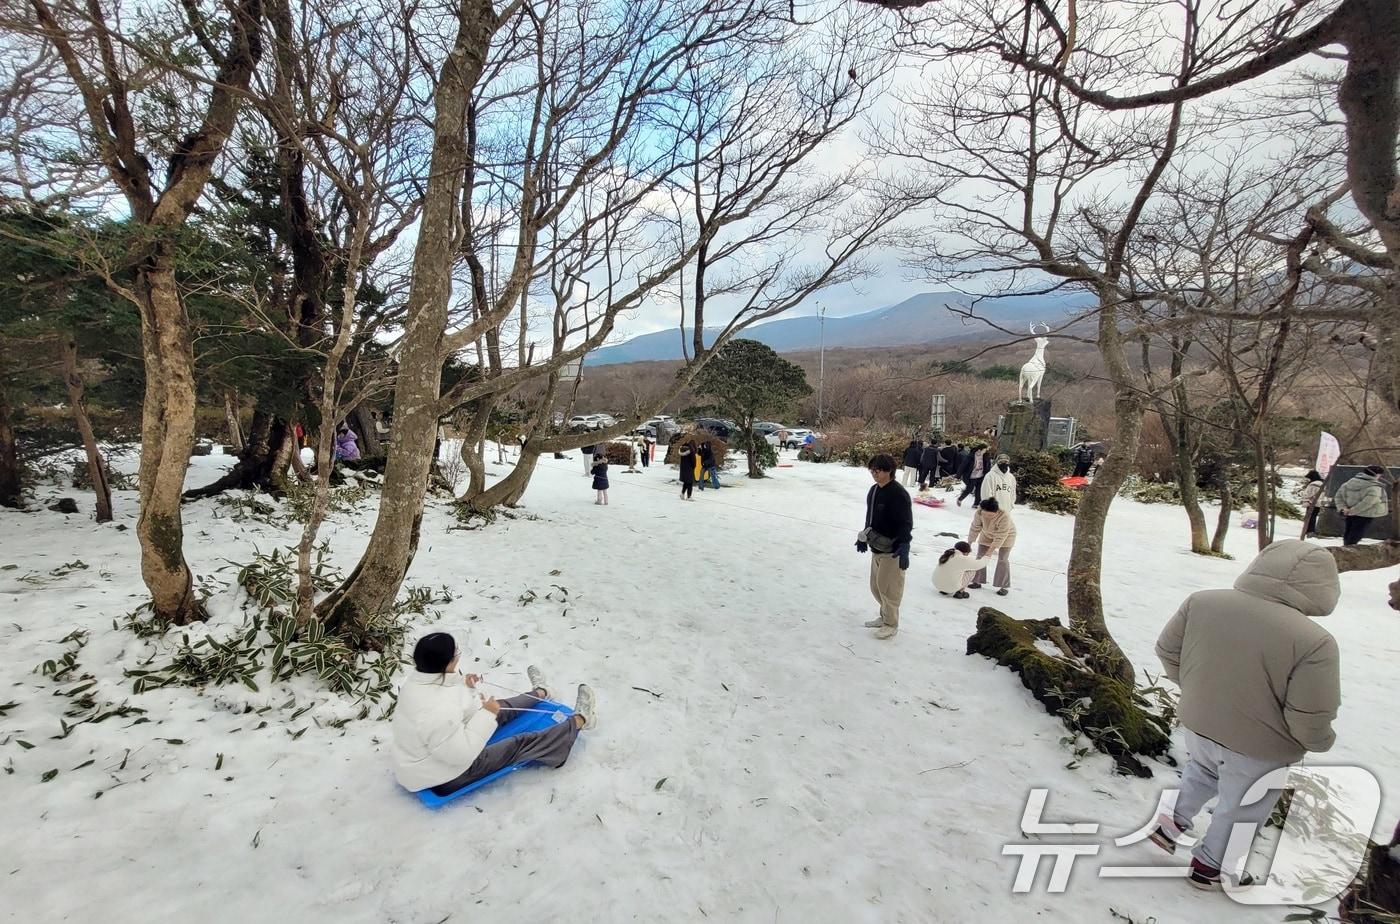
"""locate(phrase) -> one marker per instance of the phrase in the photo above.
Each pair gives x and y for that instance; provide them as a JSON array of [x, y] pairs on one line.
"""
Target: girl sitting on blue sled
[[441, 724]]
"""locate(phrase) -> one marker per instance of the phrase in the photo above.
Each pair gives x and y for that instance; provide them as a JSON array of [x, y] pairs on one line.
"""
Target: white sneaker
[[874, 623], [536, 679], [585, 705], [886, 632]]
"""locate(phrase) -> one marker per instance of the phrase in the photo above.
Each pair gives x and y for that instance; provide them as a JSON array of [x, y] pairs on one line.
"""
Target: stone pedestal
[[1025, 426]]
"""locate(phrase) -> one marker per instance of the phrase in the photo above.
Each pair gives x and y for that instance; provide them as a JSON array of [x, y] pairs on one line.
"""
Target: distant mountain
[[924, 318]]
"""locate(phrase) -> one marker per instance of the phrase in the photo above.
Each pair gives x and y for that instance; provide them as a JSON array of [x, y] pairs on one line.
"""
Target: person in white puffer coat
[[442, 727], [954, 570], [1001, 483]]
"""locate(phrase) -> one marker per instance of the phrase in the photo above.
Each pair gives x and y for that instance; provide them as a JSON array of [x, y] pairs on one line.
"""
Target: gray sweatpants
[[550, 747], [1002, 576], [1215, 770]]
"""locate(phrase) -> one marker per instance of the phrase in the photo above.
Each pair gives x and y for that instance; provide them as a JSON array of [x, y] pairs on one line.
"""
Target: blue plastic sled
[[525, 722]]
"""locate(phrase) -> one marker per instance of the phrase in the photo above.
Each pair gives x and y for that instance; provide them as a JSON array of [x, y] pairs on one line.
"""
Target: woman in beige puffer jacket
[[993, 532]]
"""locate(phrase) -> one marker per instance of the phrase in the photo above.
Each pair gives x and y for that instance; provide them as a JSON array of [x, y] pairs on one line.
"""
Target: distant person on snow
[[709, 471], [1260, 686], [912, 456], [645, 452], [995, 533], [441, 724], [687, 471], [588, 452], [1096, 468], [347, 445], [1083, 458], [928, 467], [1001, 483], [1310, 494], [1361, 500], [600, 478], [972, 470], [948, 458], [889, 529], [954, 570]]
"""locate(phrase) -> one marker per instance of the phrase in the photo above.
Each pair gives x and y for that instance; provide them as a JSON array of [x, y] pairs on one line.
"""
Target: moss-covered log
[[1113, 715]]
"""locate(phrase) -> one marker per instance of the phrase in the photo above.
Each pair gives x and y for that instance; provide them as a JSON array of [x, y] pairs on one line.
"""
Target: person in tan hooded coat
[[1260, 686]]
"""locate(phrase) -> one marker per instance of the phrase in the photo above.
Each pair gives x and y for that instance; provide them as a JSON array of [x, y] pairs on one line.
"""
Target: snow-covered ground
[[785, 765]]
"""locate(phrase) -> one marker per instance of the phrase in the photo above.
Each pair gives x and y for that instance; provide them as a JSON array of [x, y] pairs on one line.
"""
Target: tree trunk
[[262, 466], [1370, 556], [1186, 480], [364, 425], [1263, 495], [1085, 575], [510, 489], [11, 486], [235, 428], [97, 471], [328, 403], [1222, 521], [753, 453], [167, 438], [471, 452], [372, 585]]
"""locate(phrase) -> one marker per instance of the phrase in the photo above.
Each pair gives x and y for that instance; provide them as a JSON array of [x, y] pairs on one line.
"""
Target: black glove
[[861, 547], [902, 550]]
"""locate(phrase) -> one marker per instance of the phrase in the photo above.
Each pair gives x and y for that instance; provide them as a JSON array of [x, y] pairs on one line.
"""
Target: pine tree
[[747, 380]]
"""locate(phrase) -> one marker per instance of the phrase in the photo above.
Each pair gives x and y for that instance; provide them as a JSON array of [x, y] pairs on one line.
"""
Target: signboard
[[938, 414], [1328, 451]]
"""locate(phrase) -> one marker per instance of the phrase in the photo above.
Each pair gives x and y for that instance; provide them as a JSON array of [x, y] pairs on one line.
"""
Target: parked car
[[719, 426], [591, 421], [765, 427]]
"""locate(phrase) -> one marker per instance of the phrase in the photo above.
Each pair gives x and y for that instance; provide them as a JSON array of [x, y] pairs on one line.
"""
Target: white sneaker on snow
[[536, 679], [585, 705]]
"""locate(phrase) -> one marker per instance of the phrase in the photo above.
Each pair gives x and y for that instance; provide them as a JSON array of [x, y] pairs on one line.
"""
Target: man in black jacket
[[889, 528], [928, 466], [948, 458], [912, 455], [1083, 459]]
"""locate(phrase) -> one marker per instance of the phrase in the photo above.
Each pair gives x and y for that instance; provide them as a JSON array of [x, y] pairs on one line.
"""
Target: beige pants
[[887, 586]]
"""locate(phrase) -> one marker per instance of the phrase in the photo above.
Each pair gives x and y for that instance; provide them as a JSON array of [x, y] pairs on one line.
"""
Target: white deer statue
[[1034, 369]]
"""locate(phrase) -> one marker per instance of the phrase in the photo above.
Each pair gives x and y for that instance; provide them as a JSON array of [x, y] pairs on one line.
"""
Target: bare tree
[[1029, 157], [597, 147], [135, 107]]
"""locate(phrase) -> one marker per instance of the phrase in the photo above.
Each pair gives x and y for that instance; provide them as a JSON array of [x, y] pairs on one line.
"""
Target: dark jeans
[[927, 476], [550, 747], [1355, 529], [1310, 524], [972, 486], [1082, 468], [646, 461]]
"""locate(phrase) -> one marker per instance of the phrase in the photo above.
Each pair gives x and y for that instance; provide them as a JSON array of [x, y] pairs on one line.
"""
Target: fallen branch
[[961, 763]]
